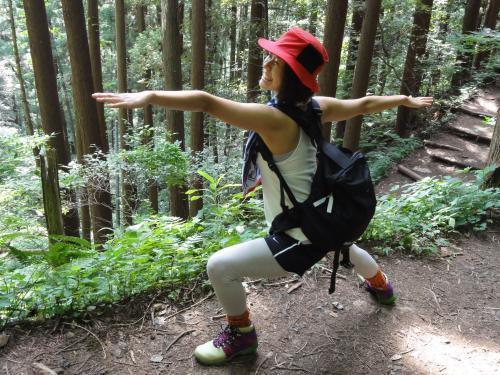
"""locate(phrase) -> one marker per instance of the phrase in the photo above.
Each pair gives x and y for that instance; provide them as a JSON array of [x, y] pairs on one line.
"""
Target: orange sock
[[378, 281], [242, 320]]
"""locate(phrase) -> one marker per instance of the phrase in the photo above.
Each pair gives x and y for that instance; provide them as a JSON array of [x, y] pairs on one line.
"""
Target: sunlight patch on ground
[[429, 352]]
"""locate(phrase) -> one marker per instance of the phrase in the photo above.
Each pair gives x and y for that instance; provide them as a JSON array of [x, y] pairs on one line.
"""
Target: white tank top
[[298, 168]]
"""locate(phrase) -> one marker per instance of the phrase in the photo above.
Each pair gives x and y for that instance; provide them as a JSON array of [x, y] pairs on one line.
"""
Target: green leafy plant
[[70, 277], [419, 219]]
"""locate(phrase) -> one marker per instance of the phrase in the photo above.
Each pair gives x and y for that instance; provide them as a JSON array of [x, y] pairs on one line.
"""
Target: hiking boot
[[229, 343], [384, 296]]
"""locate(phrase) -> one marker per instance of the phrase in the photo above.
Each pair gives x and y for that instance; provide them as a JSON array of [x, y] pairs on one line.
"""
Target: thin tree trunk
[[172, 49], [88, 131], [214, 73], [198, 33], [442, 32], [336, 14], [362, 70], [257, 27], [148, 113], [313, 16], [24, 99], [95, 58], [412, 74], [232, 42], [358, 13], [464, 59], [123, 118], [242, 40], [490, 22]]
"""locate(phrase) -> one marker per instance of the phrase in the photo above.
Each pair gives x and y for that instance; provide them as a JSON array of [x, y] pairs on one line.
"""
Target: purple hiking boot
[[229, 343]]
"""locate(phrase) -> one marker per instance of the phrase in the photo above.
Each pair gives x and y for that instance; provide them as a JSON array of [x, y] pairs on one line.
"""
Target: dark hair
[[293, 91]]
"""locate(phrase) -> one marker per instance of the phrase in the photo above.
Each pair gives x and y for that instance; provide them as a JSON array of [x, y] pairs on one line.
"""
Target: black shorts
[[292, 255]]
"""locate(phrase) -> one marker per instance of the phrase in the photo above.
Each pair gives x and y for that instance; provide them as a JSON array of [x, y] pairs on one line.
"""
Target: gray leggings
[[228, 266]]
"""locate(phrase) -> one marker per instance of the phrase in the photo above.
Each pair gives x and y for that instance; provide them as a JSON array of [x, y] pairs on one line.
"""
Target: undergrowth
[[71, 277], [425, 213]]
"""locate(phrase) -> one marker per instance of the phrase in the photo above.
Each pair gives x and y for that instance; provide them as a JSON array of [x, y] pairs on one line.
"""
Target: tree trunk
[[362, 69], [215, 73], [148, 113], [124, 125], [334, 35], [198, 83], [95, 58], [50, 189], [412, 74], [48, 97], [27, 116], [242, 40], [464, 59], [358, 13], [172, 49], [494, 155], [443, 28], [490, 22], [232, 42], [313, 16], [87, 125], [257, 27]]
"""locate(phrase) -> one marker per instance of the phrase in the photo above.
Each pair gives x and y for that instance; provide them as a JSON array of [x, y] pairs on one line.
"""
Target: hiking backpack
[[342, 198]]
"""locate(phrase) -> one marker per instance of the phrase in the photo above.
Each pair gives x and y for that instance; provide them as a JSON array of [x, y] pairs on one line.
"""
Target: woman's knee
[[218, 265]]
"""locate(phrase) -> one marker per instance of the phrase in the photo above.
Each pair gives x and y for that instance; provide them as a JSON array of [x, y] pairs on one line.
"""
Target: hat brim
[[272, 47]]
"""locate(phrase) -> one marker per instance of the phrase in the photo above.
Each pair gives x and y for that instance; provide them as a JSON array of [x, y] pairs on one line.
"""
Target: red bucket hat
[[302, 52]]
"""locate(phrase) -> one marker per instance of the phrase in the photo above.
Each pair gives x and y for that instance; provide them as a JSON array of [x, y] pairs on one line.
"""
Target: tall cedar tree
[[358, 12], [172, 49], [197, 83], [242, 40], [258, 17], [148, 112], [232, 70], [87, 128], [123, 123], [490, 22], [28, 123], [215, 73], [494, 155], [412, 74], [48, 97], [443, 27], [314, 8], [232, 41], [336, 14], [95, 58], [362, 70], [464, 59]]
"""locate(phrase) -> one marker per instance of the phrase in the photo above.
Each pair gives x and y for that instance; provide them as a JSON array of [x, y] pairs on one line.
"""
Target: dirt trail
[[446, 320]]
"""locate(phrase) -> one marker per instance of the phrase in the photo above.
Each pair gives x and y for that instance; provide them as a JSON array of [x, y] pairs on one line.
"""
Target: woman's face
[[272, 73]]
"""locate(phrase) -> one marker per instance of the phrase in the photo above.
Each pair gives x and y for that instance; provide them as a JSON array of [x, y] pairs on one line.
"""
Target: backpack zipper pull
[[330, 204]]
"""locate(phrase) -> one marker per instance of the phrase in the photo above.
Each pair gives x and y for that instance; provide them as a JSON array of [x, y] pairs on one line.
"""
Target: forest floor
[[446, 319]]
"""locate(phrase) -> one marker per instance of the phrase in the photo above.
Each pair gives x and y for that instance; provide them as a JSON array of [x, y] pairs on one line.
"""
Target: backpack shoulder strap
[[268, 157], [310, 122]]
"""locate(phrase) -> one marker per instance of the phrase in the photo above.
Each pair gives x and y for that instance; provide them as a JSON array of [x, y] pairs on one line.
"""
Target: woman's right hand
[[124, 100]]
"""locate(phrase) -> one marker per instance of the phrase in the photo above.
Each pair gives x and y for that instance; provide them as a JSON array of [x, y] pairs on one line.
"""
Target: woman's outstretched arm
[[249, 116], [338, 110]]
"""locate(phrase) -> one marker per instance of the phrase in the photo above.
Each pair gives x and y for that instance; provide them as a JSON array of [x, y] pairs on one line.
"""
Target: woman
[[290, 71]]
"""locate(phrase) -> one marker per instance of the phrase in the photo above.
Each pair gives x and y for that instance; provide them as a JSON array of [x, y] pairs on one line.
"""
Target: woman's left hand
[[419, 102]]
